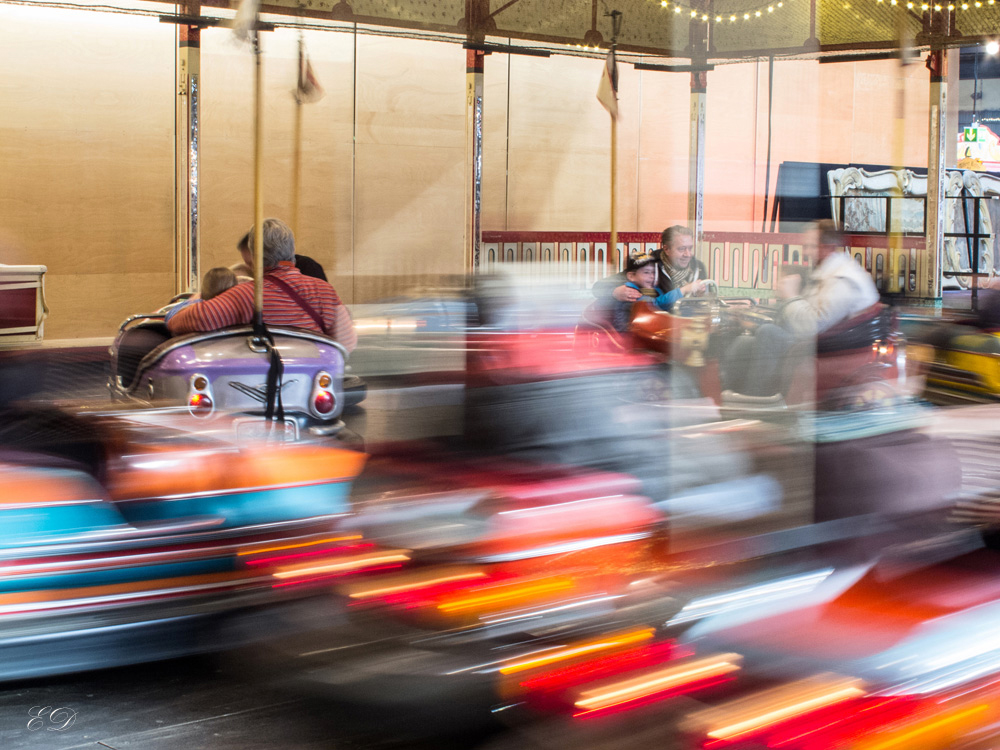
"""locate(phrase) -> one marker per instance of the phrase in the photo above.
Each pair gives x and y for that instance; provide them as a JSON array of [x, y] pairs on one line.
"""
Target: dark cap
[[635, 262]]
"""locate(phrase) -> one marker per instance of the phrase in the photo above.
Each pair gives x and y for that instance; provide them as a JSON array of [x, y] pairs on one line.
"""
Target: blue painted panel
[[119, 575], [253, 507], [28, 525]]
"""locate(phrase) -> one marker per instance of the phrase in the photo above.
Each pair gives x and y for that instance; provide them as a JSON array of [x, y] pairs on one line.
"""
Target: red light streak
[[329, 577]]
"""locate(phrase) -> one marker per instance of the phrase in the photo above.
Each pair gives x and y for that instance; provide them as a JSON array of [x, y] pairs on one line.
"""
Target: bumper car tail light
[[199, 402], [323, 402]]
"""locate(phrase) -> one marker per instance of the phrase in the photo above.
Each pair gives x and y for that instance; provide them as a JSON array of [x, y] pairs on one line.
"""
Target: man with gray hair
[[290, 298]]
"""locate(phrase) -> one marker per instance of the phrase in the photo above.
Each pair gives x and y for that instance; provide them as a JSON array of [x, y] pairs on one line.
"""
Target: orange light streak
[[416, 584], [344, 564], [624, 639], [297, 545], [775, 715], [507, 595], [896, 740], [655, 682]]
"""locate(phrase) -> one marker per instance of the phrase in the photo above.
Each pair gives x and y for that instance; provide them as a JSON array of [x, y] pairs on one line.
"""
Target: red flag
[[308, 89], [607, 91]]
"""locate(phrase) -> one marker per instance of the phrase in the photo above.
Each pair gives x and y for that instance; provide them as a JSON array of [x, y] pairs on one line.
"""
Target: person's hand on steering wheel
[[696, 287], [625, 293]]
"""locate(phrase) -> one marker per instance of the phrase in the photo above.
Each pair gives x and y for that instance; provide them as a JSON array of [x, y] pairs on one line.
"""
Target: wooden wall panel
[[86, 160], [324, 231], [410, 163], [663, 132], [560, 144]]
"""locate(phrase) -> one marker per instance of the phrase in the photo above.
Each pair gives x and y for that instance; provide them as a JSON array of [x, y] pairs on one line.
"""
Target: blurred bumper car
[[418, 337], [858, 363], [125, 544]]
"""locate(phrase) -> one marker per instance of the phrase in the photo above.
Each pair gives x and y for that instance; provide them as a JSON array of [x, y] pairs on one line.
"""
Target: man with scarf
[[679, 273]]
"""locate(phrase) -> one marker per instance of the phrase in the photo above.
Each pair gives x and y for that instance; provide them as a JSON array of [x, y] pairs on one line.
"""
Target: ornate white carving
[[866, 212]]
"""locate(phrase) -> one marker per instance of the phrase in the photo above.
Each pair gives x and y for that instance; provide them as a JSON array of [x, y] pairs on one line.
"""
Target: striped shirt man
[[235, 307]]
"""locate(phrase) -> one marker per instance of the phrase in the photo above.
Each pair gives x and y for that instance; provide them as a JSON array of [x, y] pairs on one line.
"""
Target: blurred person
[[304, 263], [836, 289], [679, 273], [242, 270], [215, 282], [641, 277], [290, 297]]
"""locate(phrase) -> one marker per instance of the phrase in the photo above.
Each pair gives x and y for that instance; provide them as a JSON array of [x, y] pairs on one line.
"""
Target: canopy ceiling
[[747, 27]]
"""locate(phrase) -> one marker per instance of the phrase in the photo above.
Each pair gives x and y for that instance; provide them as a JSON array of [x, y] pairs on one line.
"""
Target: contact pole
[[614, 186], [258, 185], [297, 149]]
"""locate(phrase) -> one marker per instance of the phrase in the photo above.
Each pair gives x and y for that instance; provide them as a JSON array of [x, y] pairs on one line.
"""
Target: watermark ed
[[51, 719]]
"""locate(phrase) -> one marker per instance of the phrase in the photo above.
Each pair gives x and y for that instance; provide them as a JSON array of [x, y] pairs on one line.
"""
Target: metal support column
[[474, 160], [929, 286], [186, 154], [696, 155]]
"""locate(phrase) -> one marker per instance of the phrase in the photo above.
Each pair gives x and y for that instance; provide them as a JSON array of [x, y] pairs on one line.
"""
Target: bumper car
[[225, 374], [125, 544], [960, 354], [858, 363]]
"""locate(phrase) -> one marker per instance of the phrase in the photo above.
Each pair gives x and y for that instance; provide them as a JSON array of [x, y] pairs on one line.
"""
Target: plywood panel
[[86, 158], [410, 92], [94, 304], [325, 231], [410, 163], [409, 205], [559, 173]]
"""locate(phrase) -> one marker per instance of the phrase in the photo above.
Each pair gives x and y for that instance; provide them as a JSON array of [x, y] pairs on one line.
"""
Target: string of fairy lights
[[766, 10], [743, 15], [940, 6]]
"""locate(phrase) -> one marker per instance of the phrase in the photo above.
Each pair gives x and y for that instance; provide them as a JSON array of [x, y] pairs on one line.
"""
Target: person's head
[[241, 269], [279, 244], [677, 246], [216, 281], [822, 240], [641, 271]]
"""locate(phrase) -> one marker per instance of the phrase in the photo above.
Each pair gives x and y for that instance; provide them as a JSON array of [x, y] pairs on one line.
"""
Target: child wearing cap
[[640, 274]]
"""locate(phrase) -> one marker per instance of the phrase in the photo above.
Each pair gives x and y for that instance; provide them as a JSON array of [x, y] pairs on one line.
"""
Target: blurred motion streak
[[714, 605], [686, 674], [408, 583], [607, 664], [492, 597], [312, 553], [612, 641], [747, 715], [367, 561], [299, 545]]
